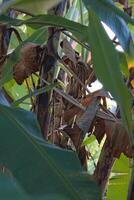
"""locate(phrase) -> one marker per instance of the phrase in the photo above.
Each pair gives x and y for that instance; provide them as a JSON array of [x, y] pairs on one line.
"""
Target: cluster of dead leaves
[[90, 122], [116, 135], [95, 119], [76, 122], [29, 62], [82, 72]]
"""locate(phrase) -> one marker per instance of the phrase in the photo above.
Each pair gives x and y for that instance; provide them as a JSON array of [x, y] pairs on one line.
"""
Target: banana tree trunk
[[43, 100], [104, 167]]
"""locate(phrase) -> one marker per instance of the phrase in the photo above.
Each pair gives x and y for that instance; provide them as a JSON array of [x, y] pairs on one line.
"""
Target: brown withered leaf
[[29, 55], [68, 51], [68, 62], [29, 62], [85, 120], [99, 130], [118, 137], [75, 134], [81, 71], [83, 155], [69, 114], [59, 139], [19, 73], [91, 75]]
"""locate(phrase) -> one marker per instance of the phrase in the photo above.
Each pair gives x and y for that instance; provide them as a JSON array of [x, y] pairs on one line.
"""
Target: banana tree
[[51, 53]]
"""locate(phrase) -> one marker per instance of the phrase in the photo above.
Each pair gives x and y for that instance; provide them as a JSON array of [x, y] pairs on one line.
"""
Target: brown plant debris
[[119, 140], [29, 62], [116, 135]]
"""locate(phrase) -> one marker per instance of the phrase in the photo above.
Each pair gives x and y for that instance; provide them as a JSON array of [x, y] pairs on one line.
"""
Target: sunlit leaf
[[79, 30], [123, 63], [111, 15], [119, 180], [36, 92], [31, 7]]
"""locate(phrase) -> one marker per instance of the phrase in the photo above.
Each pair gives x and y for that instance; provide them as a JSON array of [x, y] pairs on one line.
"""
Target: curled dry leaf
[[85, 120], [99, 129], [75, 134], [81, 71], [59, 139], [68, 51], [74, 61], [30, 57], [19, 73], [118, 137], [69, 114], [83, 155]]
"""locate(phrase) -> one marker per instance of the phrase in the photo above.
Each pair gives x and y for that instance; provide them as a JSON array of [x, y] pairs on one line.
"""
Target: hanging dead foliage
[[99, 129], [30, 58], [118, 137]]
